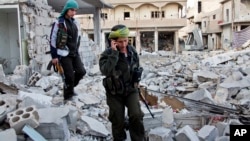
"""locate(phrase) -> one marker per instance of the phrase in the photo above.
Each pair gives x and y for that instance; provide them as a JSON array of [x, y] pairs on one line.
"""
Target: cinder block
[[34, 78], [23, 116]]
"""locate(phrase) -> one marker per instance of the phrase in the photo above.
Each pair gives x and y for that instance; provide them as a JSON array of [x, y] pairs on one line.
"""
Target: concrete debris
[[31, 101], [160, 134], [96, 128], [186, 133], [6, 89], [208, 133], [23, 116], [33, 134], [217, 78], [8, 135]]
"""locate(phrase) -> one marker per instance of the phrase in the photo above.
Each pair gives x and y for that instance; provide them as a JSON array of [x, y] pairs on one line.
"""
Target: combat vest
[[114, 84]]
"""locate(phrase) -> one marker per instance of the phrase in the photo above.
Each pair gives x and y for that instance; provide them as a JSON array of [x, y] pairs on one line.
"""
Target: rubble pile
[[36, 109]]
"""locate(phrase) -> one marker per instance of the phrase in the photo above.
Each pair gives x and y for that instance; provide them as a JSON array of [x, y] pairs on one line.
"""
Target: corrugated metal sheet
[[240, 37]]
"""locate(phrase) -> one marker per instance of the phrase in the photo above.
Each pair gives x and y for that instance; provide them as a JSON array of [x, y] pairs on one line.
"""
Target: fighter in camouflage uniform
[[120, 64]]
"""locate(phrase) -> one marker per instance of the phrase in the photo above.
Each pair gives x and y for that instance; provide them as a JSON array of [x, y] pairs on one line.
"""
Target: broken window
[[166, 41], [147, 41], [214, 17], [157, 14], [163, 14], [199, 6], [104, 15], [126, 15], [227, 15]]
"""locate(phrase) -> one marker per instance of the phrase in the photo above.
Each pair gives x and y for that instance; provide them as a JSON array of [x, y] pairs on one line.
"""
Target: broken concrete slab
[[48, 81], [160, 134], [208, 133], [223, 138], [39, 98], [33, 134], [148, 121], [167, 117], [8, 135], [221, 127], [200, 95], [53, 123], [186, 134], [96, 128]]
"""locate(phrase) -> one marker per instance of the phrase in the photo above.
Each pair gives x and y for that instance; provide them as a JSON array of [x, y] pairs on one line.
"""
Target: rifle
[[59, 69], [144, 101]]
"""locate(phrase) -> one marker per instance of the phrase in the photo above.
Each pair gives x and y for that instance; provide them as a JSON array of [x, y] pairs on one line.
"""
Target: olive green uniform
[[120, 92]]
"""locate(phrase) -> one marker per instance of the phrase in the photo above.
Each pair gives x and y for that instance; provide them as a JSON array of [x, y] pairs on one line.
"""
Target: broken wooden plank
[[6, 89]]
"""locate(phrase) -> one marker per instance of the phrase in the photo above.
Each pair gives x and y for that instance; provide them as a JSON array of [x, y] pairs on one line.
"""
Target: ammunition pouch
[[62, 37], [137, 75], [113, 85]]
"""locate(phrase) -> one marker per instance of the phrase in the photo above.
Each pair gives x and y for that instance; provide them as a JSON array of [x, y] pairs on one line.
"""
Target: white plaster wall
[[119, 12], [144, 12], [227, 5], [226, 36], [210, 5], [212, 42], [242, 11], [171, 11]]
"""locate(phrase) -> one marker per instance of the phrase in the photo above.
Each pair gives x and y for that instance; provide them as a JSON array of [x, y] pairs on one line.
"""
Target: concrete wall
[[226, 38], [227, 5], [242, 10], [210, 5], [171, 11]]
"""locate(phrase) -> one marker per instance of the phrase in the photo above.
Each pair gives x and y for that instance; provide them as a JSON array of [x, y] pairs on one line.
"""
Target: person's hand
[[54, 61], [113, 45]]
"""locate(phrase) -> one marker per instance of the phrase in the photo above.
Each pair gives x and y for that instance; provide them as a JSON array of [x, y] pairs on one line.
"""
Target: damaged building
[[193, 95], [25, 31], [218, 24], [153, 25]]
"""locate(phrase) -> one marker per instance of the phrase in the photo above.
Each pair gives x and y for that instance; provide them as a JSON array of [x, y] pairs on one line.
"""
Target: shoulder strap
[[61, 23]]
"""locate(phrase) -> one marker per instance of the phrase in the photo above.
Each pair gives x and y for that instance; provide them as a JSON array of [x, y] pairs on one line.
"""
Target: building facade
[[236, 18], [153, 25], [223, 24], [204, 18]]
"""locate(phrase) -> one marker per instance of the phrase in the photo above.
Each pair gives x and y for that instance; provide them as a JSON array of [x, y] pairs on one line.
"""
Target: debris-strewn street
[[192, 96]]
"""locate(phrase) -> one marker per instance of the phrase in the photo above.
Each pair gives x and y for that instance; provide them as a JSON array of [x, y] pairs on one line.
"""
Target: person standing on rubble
[[64, 44], [120, 64]]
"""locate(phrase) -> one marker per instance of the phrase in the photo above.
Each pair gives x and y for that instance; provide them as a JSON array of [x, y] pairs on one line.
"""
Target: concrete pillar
[[103, 45], [176, 42], [156, 39], [97, 26], [138, 41]]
